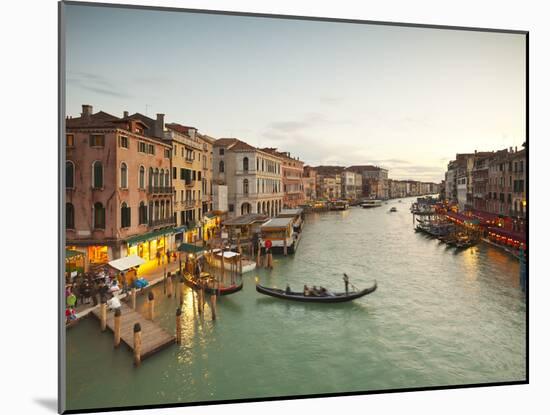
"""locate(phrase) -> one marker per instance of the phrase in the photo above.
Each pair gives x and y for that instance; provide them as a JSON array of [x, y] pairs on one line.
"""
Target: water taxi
[[339, 205], [371, 203]]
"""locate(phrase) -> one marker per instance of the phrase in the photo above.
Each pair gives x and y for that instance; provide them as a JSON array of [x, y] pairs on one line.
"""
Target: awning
[[518, 236], [128, 262], [180, 229], [134, 240], [69, 253], [190, 248]]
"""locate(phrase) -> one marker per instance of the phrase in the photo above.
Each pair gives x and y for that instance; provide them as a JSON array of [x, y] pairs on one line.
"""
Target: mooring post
[[169, 285], [178, 325], [133, 297], [182, 287], [118, 313], [103, 313], [213, 302], [137, 344], [151, 298], [522, 269], [285, 250]]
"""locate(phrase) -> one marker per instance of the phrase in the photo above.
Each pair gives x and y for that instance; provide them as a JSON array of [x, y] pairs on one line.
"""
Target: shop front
[[74, 262], [151, 247], [210, 224]]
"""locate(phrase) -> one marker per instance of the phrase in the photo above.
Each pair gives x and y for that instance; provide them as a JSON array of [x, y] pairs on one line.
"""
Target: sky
[[407, 99]]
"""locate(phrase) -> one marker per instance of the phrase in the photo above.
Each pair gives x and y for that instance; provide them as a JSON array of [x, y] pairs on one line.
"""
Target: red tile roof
[[98, 120]]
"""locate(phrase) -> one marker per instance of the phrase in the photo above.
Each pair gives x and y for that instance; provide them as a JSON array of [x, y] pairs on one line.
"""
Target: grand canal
[[439, 317]]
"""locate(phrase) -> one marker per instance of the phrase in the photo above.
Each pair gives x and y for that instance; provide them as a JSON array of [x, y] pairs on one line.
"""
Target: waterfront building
[[188, 156], [375, 180], [481, 182], [310, 183], [253, 177], [210, 219], [118, 186], [519, 199], [329, 182], [352, 185], [293, 172]]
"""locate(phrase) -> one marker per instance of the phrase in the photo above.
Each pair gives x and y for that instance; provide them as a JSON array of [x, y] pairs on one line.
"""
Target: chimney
[[86, 111], [159, 125], [125, 114], [191, 132]]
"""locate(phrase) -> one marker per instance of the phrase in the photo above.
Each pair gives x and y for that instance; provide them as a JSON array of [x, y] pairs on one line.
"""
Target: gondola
[[192, 282], [330, 298]]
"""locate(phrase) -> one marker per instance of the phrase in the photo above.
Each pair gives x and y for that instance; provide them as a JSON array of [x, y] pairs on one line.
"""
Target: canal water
[[439, 317]]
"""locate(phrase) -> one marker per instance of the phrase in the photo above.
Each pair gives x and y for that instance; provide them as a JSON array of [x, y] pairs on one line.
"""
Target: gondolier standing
[[346, 282]]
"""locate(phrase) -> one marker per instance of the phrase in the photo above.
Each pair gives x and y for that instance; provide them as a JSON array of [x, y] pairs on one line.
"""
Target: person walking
[[168, 253], [158, 257]]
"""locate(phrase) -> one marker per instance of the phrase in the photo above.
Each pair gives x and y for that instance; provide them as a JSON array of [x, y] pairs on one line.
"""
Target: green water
[[439, 317]]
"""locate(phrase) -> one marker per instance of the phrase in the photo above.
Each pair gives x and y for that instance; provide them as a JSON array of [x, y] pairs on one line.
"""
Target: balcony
[[161, 222], [160, 190], [241, 172], [191, 203]]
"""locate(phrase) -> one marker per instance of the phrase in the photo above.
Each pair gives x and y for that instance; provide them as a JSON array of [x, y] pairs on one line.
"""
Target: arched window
[[156, 178], [151, 213], [167, 178], [222, 167], [245, 164], [142, 214], [99, 216], [142, 177], [125, 216], [151, 175], [123, 176], [259, 208], [69, 215], [97, 175], [69, 174], [161, 183], [245, 186], [245, 208], [162, 209]]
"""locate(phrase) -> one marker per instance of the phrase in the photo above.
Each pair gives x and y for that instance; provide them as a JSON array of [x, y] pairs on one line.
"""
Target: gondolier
[[346, 282]]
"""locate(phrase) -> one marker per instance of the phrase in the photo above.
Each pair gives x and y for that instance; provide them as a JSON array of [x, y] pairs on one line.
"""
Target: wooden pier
[[154, 338]]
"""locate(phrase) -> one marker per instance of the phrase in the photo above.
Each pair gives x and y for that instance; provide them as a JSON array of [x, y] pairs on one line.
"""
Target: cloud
[[95, 83]]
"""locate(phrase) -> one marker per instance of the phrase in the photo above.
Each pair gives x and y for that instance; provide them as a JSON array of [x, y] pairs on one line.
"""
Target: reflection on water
[[439, 317]]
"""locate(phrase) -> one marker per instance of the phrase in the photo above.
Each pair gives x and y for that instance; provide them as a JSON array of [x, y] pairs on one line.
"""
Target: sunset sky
[[407, 99]]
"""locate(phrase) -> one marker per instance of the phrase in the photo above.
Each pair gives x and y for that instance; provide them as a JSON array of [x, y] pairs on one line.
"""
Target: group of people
[[317, 292], [321, 291], [167, 258], [88, 288]]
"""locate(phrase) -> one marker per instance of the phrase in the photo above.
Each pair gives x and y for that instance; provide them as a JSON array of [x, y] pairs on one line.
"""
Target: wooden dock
[[154, 338]]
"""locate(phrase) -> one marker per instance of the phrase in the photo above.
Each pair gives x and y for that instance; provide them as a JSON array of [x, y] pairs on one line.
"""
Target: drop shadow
[[48, 403]]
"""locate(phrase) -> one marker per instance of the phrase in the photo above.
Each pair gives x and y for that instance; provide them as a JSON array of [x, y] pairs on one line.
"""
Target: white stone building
[[253, 177]]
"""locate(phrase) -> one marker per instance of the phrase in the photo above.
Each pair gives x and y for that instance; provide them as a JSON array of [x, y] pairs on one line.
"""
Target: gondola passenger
[[287, 290], [306, 290]]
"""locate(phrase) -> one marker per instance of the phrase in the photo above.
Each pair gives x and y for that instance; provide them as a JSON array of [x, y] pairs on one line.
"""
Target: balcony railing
[[249, 171], [160, 190], [163, 222], [189, 203]]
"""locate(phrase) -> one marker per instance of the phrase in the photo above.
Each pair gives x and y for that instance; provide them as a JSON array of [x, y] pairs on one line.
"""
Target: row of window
[[156, 177], [516, 167], [158, 210], [98, 140]]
